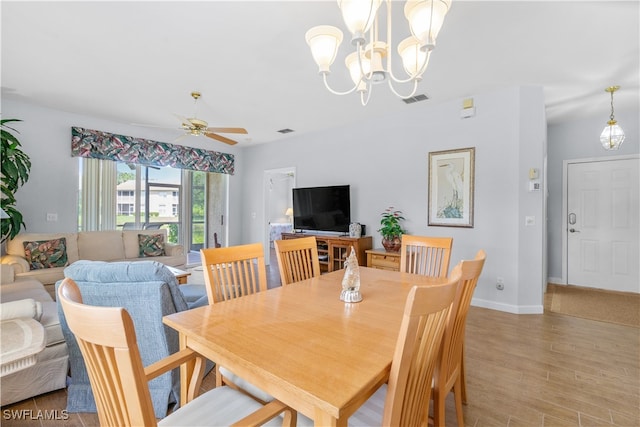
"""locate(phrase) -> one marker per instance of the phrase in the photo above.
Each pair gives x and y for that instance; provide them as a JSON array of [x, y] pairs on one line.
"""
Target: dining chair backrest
[[428, 256], [233, 271], [120, 383], [107, 340], [448, 373], [297, 259], [416, 354]]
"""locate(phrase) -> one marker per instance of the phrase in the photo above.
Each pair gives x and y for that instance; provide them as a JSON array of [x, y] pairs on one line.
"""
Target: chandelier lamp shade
[[612, 136], [372, 60]]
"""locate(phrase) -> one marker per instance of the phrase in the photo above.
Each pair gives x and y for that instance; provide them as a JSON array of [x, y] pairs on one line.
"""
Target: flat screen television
[[322, 208]]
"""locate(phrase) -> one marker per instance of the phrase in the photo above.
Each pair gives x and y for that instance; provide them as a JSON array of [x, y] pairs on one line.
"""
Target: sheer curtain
[[98, 195]]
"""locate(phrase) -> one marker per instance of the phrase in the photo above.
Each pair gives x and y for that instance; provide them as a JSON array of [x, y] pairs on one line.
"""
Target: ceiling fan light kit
[[612, 136], [371, 62], [198, 127]]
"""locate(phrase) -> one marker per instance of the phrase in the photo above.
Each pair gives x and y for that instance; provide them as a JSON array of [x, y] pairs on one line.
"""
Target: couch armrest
[[19, 264], [7, 274], [27, 307], [172, 249]]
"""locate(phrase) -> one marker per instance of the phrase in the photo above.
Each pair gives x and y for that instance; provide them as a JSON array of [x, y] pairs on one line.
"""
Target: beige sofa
[[50, 371], [114, 245]]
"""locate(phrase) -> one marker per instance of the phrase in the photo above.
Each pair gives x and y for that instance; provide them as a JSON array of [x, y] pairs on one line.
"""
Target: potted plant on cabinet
[[15, 167], [391, 230]]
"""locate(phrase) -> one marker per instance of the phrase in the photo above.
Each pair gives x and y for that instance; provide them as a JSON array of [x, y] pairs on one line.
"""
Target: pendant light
[[612, 136]]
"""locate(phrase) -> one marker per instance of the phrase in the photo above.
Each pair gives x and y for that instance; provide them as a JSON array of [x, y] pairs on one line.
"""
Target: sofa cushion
[[150, 245], [46, 253], [24, 288], [15, 246], [44, 276], [101, 245]]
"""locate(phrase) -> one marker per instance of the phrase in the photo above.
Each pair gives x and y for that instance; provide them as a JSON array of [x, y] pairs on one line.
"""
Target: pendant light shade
[[324, 41], [358, 16], [351, 61], [413, 57], [425, 19], [612, 136]]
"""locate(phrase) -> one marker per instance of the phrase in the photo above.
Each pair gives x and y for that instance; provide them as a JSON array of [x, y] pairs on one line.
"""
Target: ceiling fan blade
[[152, 126], [227, 130], [183, 119], [221, 138]]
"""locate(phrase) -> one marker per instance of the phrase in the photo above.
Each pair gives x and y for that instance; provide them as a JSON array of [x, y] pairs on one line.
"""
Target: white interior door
[[602, 224]]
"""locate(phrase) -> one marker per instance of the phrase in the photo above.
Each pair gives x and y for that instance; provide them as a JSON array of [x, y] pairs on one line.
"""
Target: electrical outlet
[[51, 217], [500, 284]]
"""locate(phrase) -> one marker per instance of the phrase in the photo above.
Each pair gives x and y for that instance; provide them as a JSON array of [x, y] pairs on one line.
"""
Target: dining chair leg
[[438, 409], [219, 382], [457, 394], [463, 380]]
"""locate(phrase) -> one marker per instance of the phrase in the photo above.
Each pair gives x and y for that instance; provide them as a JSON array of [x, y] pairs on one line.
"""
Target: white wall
[[579, 139], [385, 162], [45, 135]]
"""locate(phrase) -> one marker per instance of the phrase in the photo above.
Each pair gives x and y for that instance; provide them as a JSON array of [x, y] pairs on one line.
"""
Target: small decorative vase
[[355, 229], [391, 245]]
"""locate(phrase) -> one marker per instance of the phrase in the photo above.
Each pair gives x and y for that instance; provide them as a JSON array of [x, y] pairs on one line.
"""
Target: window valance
[[108, 146]]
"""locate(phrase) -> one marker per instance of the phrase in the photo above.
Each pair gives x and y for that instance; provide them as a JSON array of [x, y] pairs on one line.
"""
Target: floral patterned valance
[[107, 146]]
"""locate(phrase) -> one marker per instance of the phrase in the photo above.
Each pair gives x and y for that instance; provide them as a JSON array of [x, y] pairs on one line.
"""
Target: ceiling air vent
[[287, 130], [411, 100]]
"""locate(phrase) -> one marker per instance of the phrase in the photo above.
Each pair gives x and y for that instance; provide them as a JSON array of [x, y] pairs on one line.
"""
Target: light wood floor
[[522, 370]]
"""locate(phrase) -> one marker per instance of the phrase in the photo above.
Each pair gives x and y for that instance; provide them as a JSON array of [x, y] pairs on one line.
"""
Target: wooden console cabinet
[[333, 250], [380, 258]]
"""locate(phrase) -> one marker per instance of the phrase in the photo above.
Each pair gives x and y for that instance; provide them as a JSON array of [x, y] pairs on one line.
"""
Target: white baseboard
[[508, 308], [556, 280]]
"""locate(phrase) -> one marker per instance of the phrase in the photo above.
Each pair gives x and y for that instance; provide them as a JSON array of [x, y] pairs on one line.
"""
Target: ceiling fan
[[198, 127]]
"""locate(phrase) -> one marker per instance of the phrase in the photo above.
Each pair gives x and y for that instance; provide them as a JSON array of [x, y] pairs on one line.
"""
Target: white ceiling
[[137, 62]]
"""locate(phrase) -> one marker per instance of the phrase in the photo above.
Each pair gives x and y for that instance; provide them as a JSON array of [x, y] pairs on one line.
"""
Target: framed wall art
[[451, 181]]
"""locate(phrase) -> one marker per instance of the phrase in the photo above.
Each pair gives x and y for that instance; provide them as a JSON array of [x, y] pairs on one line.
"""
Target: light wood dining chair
[[233, 271], [404, 399], [425, 255], [449, 374], [107, 339], [297, 259], [229, 273]]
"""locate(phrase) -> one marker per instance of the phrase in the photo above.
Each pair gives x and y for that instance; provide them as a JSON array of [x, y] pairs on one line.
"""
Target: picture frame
[[451, 187]]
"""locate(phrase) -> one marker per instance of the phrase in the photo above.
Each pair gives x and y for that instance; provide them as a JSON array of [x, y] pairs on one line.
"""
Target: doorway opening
[[278, 206]]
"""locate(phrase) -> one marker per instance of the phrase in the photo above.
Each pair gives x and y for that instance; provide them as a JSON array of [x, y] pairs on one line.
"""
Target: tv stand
[[334, 249], [322, 233]]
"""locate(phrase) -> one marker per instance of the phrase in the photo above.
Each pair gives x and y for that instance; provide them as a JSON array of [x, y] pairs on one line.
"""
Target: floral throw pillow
[[46, 253], [151, 245]]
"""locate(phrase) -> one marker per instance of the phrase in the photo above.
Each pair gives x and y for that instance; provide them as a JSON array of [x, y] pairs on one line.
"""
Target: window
[[191, 205]]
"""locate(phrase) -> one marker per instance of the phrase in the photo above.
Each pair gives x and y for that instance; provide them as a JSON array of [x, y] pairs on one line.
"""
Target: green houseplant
[[16, 166], [391, 229]]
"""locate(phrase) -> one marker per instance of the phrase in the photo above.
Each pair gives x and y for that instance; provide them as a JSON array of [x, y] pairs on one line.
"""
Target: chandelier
[[371, 62], [612, 136]]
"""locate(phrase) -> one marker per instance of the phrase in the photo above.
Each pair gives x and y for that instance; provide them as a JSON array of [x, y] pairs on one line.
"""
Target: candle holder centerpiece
[[351, 280]]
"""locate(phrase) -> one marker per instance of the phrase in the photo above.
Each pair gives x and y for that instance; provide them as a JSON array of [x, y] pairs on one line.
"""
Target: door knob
[[573, 230]]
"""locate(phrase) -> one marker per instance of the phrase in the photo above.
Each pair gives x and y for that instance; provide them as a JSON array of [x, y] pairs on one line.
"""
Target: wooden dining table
[[301, 344]]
